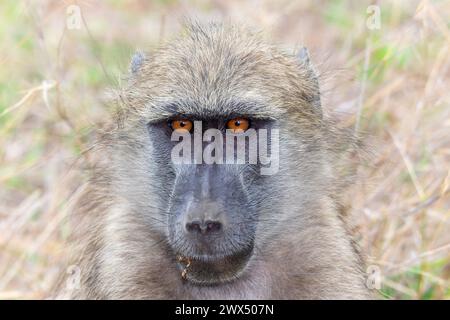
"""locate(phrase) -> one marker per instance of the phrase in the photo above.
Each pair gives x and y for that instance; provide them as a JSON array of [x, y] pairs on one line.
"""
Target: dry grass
[[392, 82]]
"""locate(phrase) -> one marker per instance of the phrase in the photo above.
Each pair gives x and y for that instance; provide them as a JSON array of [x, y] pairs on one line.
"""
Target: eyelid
[[181, 124], [243, 126]]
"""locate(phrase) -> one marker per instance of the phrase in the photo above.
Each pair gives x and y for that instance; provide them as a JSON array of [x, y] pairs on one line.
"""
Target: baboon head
[[217, 85]]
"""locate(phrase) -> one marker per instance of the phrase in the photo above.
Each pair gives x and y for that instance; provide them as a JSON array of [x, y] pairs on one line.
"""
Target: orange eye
[[181, 125], [238, 125]]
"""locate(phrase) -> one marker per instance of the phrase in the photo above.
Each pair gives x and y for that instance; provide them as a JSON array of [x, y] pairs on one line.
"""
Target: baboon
[[152, 229]]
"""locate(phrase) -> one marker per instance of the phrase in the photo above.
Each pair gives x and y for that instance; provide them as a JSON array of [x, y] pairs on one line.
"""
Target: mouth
[[212, 270]]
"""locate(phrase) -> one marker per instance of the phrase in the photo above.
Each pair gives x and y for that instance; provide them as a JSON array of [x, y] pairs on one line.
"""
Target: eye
[[238, 125], [181, 124]]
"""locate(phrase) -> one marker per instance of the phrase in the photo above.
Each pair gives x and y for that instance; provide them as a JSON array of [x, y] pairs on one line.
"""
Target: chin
[[213, 269]]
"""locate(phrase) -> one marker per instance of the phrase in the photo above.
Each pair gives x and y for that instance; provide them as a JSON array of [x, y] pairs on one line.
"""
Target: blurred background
[[385, 70]]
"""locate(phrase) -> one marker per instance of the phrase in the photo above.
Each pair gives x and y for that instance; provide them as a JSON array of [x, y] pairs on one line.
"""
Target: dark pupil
[[237, 123], [182, 124]]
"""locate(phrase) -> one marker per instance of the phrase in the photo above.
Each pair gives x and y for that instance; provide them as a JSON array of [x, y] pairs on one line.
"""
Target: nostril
[[213, 226], [203, 226], [194, 226]]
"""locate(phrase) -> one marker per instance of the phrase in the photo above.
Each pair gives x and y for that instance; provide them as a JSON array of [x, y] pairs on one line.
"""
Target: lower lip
[[213, 270]]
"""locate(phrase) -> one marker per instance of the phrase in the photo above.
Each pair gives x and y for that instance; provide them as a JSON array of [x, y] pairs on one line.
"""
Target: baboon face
[[211, 209], [215, 216]]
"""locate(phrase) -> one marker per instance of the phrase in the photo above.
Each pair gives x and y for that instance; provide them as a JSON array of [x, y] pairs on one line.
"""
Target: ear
[[303, 56], [136, 62], [305, 61]]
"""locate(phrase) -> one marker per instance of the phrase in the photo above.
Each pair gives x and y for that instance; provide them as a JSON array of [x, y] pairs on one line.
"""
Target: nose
[[203, 227]]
